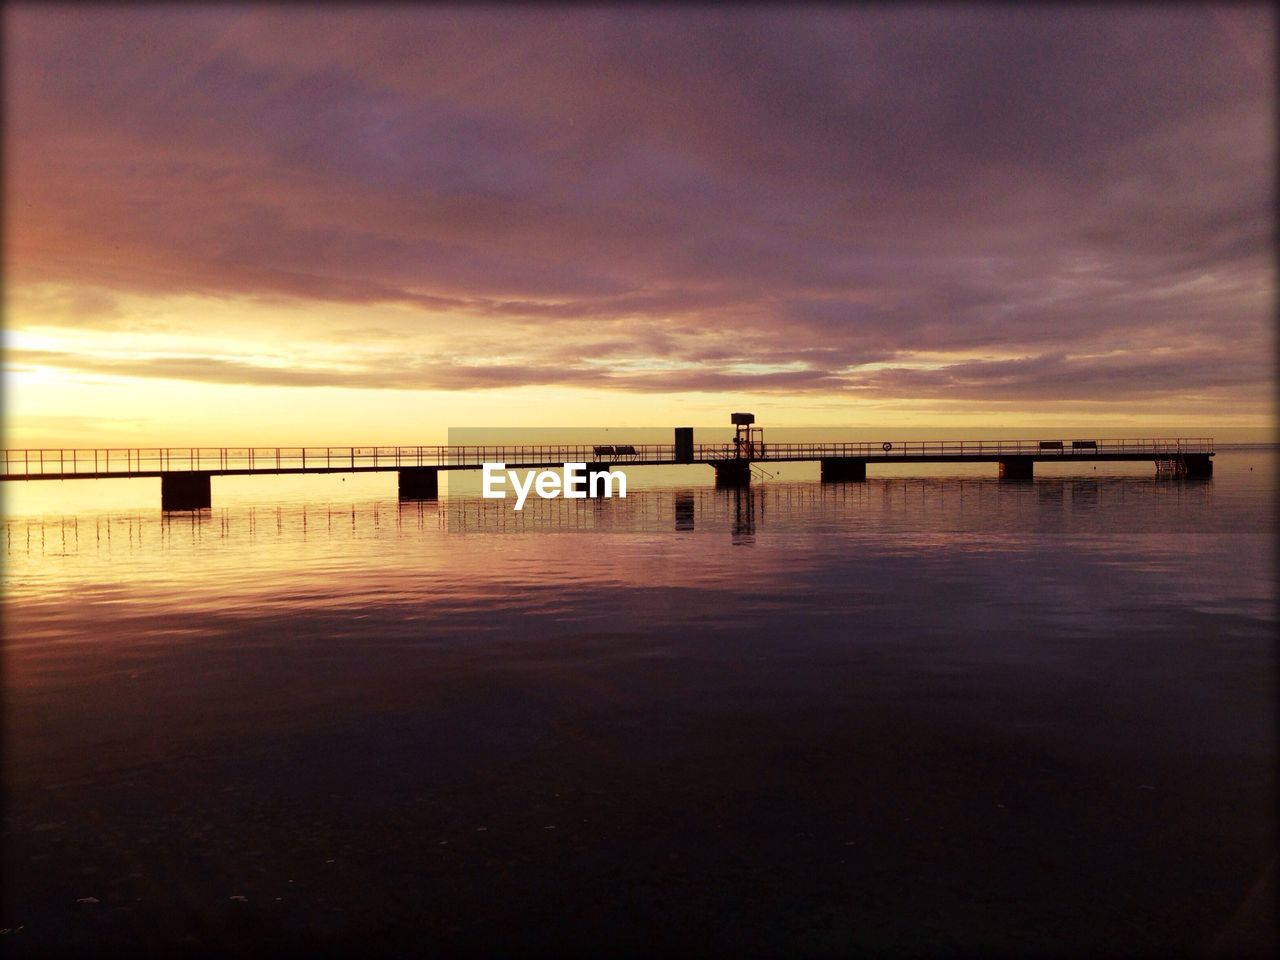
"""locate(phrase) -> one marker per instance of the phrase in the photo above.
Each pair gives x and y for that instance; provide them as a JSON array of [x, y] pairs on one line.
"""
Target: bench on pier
[[1051, 445], [1084, 444], [623, 450]]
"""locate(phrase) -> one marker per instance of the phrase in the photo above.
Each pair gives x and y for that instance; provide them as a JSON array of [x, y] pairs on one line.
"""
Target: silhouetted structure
[[185, 472]]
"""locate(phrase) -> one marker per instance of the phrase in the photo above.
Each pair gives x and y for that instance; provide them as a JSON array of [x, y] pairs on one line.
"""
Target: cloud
[[1044, 379], [1057, 377], [757, 186]]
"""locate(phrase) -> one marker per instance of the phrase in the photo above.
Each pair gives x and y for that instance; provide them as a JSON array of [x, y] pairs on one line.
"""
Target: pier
[[185, 474]]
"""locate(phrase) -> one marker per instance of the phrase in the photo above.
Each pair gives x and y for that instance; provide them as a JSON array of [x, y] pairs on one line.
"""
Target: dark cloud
[[1055, 376], [823, 186]]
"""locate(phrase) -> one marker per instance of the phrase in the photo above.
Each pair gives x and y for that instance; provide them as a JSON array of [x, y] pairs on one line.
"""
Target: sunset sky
[[336, 225]]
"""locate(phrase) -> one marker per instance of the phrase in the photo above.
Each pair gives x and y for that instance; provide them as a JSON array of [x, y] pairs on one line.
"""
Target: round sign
[[888, 447]]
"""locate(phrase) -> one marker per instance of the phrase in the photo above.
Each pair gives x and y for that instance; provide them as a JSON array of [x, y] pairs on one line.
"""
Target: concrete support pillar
[[188, 490], [1016, 468], [419, 483], [594, 490], [733, 473], [684, 445], [1197, 465], [841, 469]]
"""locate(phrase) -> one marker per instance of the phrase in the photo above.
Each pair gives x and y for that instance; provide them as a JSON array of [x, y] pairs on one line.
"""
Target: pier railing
[[979, 449], [150, 461]]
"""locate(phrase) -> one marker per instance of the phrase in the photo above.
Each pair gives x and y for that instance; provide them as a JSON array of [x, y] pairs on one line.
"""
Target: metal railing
[[1041, 449], [124, 462]]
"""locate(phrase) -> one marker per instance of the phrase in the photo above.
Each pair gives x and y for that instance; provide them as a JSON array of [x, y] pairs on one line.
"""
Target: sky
[[349, 225]]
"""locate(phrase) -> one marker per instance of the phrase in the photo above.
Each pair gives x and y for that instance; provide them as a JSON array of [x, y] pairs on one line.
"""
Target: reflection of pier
[[185, 473], [926, 506]]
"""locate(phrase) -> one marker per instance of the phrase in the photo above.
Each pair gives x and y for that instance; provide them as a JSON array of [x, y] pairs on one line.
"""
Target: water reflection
[[938, 684], [686, 509], [930, 504]]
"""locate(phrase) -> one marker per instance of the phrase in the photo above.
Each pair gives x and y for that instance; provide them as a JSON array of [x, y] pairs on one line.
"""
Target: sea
[[930, 714]]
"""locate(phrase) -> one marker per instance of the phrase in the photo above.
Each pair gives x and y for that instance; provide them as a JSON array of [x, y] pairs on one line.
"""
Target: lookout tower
[[748, 440]]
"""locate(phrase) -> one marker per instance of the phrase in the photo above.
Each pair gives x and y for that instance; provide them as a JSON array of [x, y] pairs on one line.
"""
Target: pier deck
[[185, 471]]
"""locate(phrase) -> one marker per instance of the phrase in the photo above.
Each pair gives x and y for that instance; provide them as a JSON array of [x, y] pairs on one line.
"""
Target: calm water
[[931, 715]]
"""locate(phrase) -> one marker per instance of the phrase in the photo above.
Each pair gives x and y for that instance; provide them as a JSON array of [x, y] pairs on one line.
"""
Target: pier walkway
[[185, 472]]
